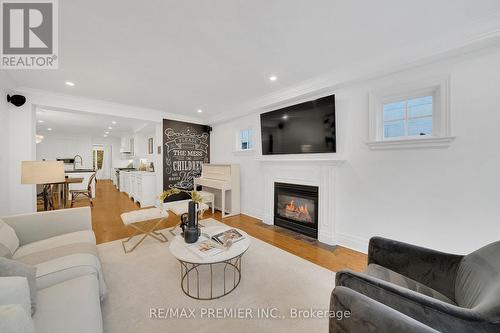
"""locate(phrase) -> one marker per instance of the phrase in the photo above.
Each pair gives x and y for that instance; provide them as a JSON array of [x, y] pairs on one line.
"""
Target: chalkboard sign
[[186, 148]]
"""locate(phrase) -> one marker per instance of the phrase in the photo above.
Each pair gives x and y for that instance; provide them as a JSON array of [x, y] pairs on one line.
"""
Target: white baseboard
[[255, 213], [352, 242], [326, 238], [349, 241]]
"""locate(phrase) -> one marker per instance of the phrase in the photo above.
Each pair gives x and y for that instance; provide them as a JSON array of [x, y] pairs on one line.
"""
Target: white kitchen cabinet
[[143, 188], [124, 144], [127, 145], [130, 185], [133, 185], [113, 178], [125, 181]]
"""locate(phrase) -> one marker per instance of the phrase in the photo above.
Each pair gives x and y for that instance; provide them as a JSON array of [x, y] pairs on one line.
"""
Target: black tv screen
[[304, 128]]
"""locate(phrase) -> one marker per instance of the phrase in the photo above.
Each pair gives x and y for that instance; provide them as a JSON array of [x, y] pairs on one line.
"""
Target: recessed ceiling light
[[69, 83], [110, 127], [106, 132], [200, 110], [105, 136], [41, 121], [285, 117], [113, 122], [49, 129], [273, 78]]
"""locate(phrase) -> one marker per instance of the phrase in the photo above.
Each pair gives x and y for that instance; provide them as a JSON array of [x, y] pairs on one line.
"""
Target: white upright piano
[[224, 181]]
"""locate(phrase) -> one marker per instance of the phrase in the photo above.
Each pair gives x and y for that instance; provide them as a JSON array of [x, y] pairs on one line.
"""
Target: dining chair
[[86, 192], [45, 193]]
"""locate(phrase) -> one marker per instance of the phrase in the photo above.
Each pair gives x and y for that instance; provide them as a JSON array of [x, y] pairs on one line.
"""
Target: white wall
[[442, 198], [158, 159], [117, 159], [65, 145], [141, 147], [16, 145], [4, 151], [223, 150], [22, 198]]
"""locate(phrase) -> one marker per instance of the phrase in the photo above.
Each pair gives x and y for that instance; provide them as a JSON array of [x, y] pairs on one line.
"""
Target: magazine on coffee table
[[229, 236], [205, 248]]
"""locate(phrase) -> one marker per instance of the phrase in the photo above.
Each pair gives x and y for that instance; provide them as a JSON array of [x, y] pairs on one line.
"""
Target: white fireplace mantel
[[332, 159], [309, 173]]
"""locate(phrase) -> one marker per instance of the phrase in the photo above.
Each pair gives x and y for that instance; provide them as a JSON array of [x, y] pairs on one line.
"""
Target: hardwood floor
[[107, 225]]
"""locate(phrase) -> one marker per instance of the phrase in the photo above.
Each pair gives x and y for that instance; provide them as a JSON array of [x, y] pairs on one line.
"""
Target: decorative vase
[[191, 230]]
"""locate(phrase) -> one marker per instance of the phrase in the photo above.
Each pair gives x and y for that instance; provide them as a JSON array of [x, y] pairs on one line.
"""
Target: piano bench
[[183, 207], [208, 197]]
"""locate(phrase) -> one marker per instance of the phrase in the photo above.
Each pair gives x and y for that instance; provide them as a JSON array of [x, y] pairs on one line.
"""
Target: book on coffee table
[[229, 236], [205, 247]]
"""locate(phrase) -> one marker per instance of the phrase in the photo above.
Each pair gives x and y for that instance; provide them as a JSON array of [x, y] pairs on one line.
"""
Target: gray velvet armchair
[[407, 288]]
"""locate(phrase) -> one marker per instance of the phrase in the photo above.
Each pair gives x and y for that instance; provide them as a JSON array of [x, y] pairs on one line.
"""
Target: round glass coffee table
[[214, 276]]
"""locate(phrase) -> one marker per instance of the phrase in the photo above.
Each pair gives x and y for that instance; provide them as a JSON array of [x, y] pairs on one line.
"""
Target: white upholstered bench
[[133, 217]]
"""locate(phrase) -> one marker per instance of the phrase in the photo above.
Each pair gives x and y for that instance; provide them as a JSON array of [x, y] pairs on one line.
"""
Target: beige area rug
[[273, 280]]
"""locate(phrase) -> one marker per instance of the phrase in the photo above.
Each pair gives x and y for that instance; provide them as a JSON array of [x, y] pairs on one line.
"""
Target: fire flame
[[297, 209]]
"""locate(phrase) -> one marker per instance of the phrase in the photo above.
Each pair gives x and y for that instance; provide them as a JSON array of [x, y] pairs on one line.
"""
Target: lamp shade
[[42, 172]]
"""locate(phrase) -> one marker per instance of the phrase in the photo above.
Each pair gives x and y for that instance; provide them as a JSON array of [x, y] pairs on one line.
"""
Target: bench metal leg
[[150, 232]]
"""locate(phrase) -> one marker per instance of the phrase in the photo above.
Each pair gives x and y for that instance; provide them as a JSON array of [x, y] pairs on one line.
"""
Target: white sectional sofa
[[69, 281]]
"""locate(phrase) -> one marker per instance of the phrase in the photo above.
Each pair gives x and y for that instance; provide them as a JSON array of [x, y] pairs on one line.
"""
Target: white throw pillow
[[8, 240], [14, 319]]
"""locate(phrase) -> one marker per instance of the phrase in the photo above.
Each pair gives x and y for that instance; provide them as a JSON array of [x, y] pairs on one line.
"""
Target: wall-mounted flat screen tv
[[305, 128]]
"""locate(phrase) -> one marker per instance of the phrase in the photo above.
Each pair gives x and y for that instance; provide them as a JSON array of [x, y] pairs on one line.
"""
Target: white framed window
[[415, 115], [244, 140], [410, 117]]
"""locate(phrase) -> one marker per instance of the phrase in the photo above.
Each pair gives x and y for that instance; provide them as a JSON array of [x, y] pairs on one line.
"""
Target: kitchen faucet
[[74, 161]]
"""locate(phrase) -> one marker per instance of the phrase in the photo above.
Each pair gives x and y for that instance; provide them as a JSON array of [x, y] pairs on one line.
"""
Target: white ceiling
[[88, 124], [179, 56]]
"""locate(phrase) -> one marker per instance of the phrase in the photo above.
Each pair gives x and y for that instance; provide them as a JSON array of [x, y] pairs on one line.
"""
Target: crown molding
[[332, 159], [327, 83]]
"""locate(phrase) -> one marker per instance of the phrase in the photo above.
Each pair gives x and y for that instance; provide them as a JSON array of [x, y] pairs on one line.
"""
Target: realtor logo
[[29, 34]]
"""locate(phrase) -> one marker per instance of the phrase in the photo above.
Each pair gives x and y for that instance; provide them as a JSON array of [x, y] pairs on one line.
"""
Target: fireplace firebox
[[296, 208]]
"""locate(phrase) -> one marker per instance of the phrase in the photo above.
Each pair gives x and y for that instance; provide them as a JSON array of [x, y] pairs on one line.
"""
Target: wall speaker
[[17, 100]]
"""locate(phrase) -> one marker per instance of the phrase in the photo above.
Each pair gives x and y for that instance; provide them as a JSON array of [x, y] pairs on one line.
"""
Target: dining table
[[64, 193]]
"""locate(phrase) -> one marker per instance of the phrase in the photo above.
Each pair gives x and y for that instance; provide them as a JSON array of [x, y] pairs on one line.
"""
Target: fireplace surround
[[320, 171], [296, 208]]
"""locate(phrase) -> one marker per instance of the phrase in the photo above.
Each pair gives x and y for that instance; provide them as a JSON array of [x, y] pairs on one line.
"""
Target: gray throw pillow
[[10, 267]]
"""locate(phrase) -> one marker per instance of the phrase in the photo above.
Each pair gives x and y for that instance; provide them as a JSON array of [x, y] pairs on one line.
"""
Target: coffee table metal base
[[190, 271]]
